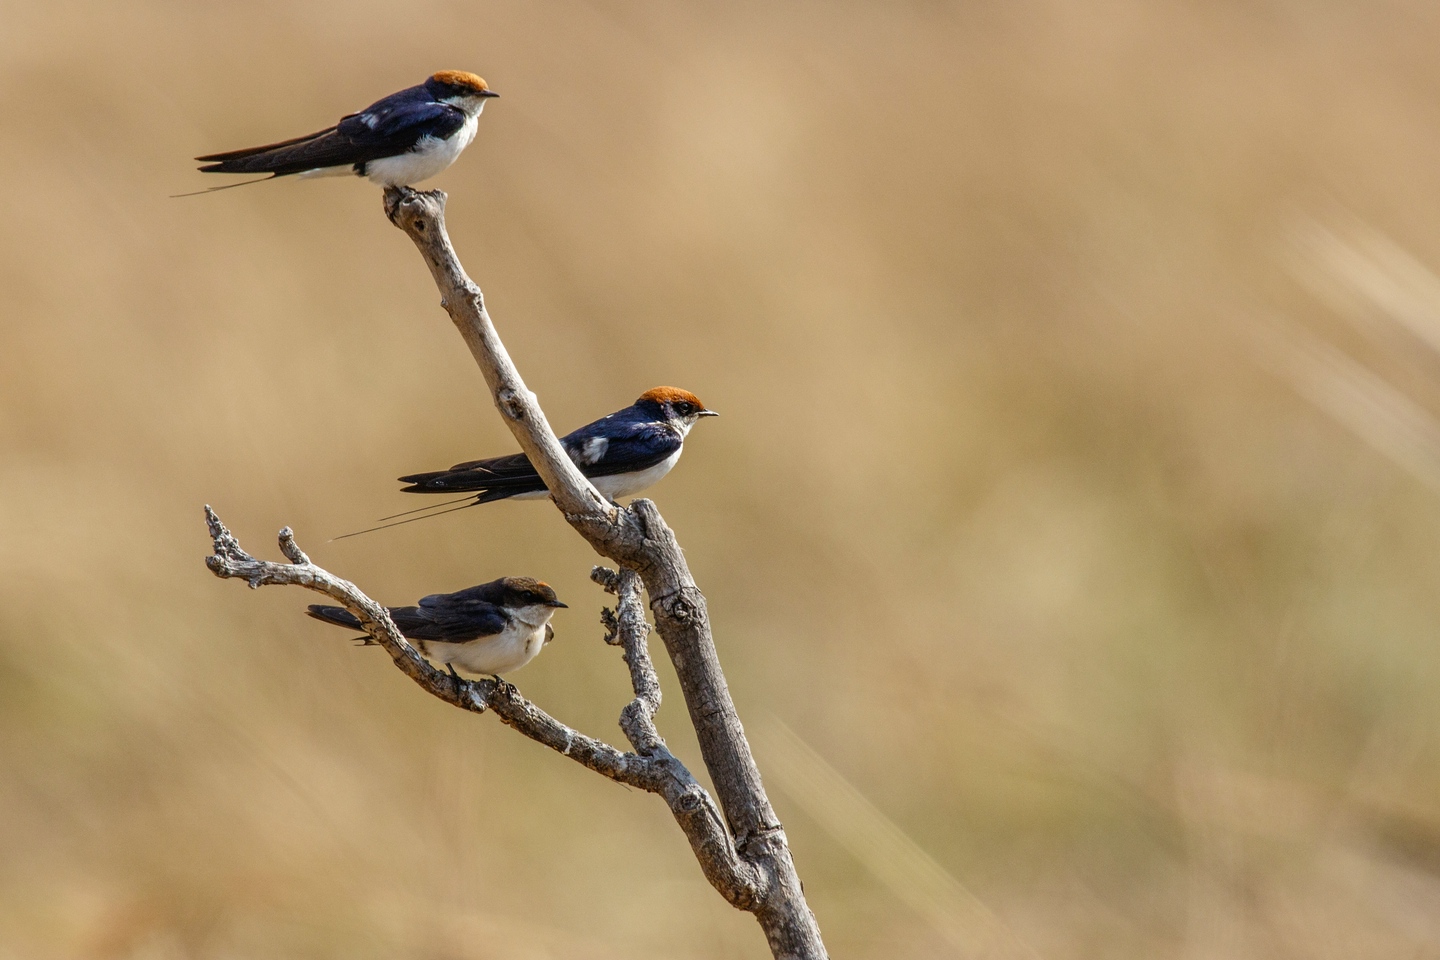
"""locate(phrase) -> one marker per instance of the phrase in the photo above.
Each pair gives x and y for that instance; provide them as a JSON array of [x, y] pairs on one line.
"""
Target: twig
[[627, 629]]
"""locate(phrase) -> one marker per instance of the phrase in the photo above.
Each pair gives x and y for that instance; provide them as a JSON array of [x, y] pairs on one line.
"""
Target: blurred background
[[1070, 530]]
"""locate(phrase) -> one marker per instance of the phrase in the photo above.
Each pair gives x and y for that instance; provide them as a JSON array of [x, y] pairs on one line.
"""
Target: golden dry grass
[[1074, 496]]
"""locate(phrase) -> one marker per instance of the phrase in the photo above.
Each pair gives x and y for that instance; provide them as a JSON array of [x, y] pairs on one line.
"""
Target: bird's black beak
[[488, 93], [557, 603], [707, 413]]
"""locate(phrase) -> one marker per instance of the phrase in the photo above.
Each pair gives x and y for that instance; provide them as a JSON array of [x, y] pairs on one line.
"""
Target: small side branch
[[653, 768], [627, 628], [742, 883], [231, 561]]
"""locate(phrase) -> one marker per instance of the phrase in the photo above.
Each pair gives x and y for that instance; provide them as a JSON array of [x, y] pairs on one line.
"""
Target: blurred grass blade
[[886, 851], [1365, 403], [1374, 273]]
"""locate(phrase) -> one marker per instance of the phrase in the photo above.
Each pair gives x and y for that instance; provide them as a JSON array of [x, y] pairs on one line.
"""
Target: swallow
[[622, 454], [489, 629], [405, 138]]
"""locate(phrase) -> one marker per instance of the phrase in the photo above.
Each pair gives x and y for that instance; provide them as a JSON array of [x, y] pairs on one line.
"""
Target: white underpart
[[346, 170], [506, 651], [619, 484], [625, 484], [421, 162]]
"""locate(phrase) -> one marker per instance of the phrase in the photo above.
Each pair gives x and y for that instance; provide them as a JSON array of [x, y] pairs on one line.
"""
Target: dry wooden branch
[[652, 767], [739, 843], [638, 539]]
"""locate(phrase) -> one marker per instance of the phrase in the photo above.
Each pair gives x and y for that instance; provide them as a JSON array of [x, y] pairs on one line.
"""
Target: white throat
[[534, 615], [473, 106], [682, 425]]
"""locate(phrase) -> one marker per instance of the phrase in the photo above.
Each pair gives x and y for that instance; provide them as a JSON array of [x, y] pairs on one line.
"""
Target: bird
[[401, 140], [489, 629], [622, 454]]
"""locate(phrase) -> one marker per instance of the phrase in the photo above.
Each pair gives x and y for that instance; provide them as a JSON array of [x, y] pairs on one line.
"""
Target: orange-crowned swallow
[[491, 629], [405, 138], [622, 454]]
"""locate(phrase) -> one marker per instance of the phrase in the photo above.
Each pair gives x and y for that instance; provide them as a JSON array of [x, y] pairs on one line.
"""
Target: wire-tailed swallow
[[405, 138], [622, 454], [492, 629]]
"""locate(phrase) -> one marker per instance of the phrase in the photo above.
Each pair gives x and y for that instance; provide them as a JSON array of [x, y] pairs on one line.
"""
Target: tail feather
[[326, 148], [467, 481], [336, 615], [231, 155], [228, 186], [441, 481]]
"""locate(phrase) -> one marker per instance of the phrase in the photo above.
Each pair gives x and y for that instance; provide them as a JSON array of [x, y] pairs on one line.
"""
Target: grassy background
[[1073, 498]]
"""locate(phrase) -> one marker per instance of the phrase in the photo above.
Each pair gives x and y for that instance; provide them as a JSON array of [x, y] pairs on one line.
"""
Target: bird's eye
[[684, 408]]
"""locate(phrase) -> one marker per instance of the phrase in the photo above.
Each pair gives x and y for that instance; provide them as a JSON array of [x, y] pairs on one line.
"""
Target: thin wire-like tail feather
[[401, 523], [433, 506], [228, 186]]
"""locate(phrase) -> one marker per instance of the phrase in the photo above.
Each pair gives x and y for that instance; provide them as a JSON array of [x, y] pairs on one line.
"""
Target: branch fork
[[651, 767], [735, 835]]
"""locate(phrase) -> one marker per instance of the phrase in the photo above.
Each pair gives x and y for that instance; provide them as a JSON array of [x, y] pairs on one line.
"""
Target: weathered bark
[[638, 539], [739, 844], [652, 767]]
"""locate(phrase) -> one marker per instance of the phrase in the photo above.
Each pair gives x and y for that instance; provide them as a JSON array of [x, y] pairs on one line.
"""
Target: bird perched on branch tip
[[492, 628], [398, 141]]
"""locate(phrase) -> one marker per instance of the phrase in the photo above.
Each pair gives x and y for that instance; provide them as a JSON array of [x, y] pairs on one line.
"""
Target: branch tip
[[409, 209], [227, 548], [291, 549], [605, 577]]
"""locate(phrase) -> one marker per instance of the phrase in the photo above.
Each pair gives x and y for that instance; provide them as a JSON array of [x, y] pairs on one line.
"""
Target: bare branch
[[422, 216], [230, 561], [628, 629], [740, 844], [638, 539], [655, 770], [738, 881]]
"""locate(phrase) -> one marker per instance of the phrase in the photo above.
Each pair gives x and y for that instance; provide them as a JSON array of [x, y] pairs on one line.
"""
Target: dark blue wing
[[611, 445], [409, 118], [628, 447], [443, 617]]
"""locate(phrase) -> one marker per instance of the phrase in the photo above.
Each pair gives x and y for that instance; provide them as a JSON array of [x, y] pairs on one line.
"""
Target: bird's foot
[[459, 683]]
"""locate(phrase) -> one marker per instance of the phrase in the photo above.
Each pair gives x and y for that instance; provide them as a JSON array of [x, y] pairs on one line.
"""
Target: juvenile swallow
[[492, 629], [405, 138], [622, 454]]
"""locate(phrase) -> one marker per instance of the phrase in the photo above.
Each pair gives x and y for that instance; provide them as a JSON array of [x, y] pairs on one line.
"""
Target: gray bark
[[739, 843], [638, 539], [652, 767]]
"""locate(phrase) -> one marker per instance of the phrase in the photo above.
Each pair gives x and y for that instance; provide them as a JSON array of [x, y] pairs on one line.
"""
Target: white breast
[[423, 161], [620, 484], [503, 653], [625, 484]]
